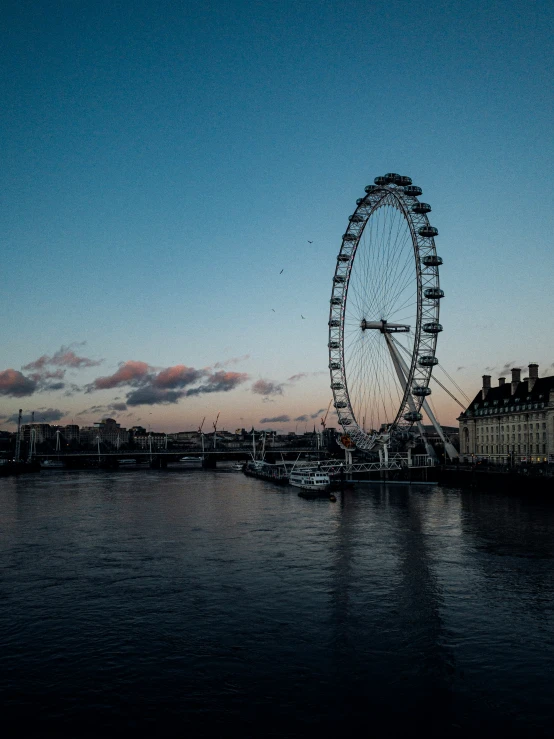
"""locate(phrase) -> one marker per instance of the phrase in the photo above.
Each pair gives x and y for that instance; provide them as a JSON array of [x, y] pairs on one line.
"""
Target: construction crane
[[324, 419], [323, 422], [215, 427], [202, 435]]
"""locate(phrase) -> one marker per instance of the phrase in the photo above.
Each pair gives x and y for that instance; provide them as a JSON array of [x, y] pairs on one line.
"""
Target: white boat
[[309, 480], [237, 466], [127, 461], [191, 460], [51, 464]]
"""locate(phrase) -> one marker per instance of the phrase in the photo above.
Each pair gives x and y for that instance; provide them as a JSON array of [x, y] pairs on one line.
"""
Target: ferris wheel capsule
[[421, 391], [421, 208], [428, 231], [433, 293], [431, 260]]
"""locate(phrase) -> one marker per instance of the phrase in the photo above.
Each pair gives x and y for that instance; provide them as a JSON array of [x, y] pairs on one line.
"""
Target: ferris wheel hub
[[384, 327]]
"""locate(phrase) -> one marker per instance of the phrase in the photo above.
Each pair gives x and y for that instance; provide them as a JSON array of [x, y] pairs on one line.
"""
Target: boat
[[237, 467], [276, 473], [191, 460], [310, 480], [127, 461], [52, 464]]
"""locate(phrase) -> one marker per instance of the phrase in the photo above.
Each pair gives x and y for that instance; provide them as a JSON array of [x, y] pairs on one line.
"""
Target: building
[[71, 432], [150, 440], [511, 423], [108, 431], [42, 432]]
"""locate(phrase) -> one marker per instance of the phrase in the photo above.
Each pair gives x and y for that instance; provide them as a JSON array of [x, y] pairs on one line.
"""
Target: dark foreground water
[[212, 603]]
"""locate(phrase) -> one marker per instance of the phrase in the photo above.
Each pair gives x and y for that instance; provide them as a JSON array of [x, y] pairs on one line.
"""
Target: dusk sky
[[163, 162]]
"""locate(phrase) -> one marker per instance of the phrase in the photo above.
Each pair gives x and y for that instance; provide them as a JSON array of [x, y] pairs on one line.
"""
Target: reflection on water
[[207, 600]]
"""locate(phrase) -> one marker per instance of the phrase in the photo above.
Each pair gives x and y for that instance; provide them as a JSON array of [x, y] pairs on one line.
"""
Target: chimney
[[516, 379], [533, 375], [486, 386], [501, 381]]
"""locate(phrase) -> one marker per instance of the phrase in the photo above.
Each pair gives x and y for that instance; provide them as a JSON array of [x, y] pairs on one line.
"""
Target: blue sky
[[162, 162]]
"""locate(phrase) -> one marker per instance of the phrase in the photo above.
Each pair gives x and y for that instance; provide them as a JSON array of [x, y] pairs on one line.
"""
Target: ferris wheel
[[384, 314]]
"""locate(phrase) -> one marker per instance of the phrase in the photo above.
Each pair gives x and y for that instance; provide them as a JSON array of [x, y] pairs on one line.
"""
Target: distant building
[[108, 431], [43, 432], [70, 432], [512, 422], [150, 440]]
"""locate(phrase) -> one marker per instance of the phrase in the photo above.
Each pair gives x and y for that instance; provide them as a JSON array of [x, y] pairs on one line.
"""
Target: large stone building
[[108, 431], [511, 423]]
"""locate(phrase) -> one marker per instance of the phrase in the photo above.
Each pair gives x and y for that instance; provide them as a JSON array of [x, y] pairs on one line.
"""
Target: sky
[[162, 162]]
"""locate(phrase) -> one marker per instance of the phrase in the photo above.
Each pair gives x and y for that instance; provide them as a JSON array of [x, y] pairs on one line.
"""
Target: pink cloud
[[13, 382], [64, 357], [177, 376], [129, 373]]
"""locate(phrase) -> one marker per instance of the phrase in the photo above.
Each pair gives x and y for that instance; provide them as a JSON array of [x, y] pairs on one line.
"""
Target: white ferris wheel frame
[[414, 373]]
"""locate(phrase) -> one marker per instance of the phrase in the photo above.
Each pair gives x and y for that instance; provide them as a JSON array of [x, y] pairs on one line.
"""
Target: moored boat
[[310, 480], [52, 464], [271, 472], [191, 460]]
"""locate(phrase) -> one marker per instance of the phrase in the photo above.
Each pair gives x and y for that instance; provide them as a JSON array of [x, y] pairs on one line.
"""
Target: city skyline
[[177, 182]]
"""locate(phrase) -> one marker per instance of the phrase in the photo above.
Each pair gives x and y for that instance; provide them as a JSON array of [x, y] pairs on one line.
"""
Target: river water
[[209, 602]]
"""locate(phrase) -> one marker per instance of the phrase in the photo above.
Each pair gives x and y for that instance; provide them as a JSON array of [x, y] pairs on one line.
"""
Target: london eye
[[384, 314]]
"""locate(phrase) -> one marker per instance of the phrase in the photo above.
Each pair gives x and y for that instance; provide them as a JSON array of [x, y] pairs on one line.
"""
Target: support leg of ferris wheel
[[403, 372], [348, 463], [448, 447]]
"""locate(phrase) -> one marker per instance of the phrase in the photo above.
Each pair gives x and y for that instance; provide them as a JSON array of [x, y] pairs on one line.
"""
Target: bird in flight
[[310, 242], [273, 309], [281, 272], [301, 316]]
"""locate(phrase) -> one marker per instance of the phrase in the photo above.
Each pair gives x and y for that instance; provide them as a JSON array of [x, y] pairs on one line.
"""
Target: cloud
[[58, 374], [72, 390], [318, 413], [43, 415], [92, 409], [302, 418], [220, 382], [51, 386], [232, 360], [150, 395], [64, 357], [167, 385], [129, 373], [302, 375], [14, 383], [267, 387], [275, 419], [177, 377], [102, 409], [506, 367]]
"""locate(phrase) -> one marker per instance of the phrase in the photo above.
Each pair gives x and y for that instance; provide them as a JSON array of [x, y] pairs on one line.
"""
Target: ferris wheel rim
[[396, 192]]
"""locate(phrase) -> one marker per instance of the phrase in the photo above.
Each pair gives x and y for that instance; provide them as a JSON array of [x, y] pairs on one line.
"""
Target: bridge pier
[[209, 462]]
